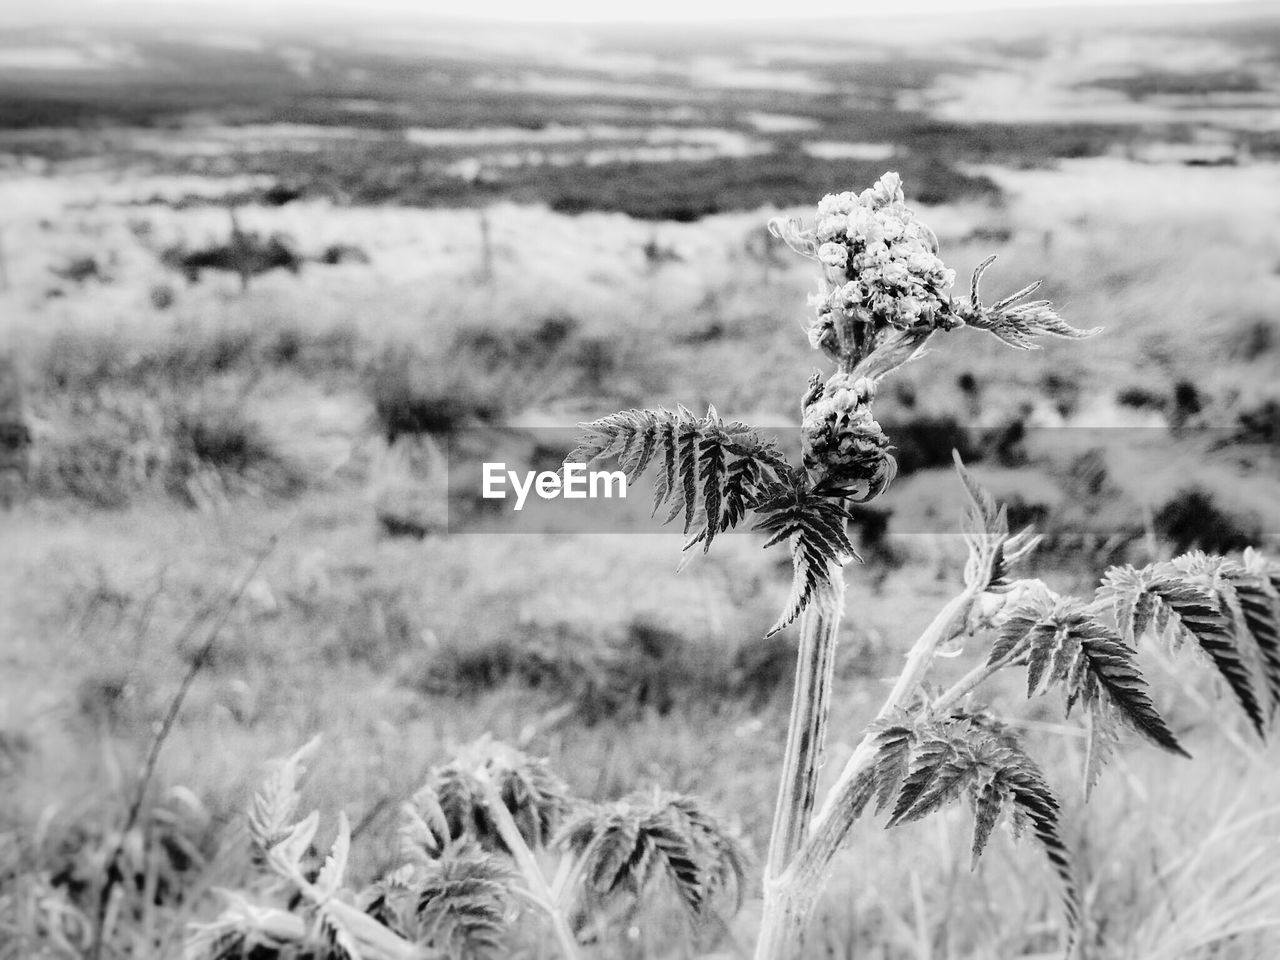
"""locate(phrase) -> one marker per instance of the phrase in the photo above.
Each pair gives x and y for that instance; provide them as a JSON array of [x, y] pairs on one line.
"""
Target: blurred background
[[260, 268]]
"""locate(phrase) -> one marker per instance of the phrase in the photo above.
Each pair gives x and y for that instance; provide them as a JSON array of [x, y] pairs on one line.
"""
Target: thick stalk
[[792, 892], [806, 734], [786, 915]]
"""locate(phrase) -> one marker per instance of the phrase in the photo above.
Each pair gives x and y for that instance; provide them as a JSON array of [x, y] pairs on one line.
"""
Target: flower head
[[880, 264]]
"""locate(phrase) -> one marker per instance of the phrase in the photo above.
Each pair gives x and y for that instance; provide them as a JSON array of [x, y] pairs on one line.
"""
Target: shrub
[[79, 269], [927, 441], [1141, 398], [245, 254], [1260, 423], [645, 669], [1193, 519], [1253, 339], [109, 448], [413, 394]]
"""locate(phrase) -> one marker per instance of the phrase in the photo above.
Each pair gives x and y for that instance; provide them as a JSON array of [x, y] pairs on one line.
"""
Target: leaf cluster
[[712, 473], [1228, 609], [922, 764], [625, 848], [460, 888], [452, 806], [1016, 324], [460, 905]]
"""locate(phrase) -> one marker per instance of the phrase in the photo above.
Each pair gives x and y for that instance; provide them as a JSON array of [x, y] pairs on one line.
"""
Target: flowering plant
[[880, 265], [885, 294]]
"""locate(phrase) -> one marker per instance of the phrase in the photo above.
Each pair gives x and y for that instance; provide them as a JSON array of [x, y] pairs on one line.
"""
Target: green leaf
[[939, 769], [992, 551], [710, 472], [814, 527], [1017, 325], [712, 463], [1197, 613], [1071, 647], [987, 808]]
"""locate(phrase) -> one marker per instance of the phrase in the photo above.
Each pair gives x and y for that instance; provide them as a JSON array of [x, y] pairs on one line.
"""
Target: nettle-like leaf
[[625, 848], [460, 906], [973, 755], [1065, 643], [457, 906], [1228, 609], [311, 914], [992, 551], [709, 471], [274, 834], [712, 473], [452, 806], [1017, 324], [1256, 583], [880, 781], [814, 527]]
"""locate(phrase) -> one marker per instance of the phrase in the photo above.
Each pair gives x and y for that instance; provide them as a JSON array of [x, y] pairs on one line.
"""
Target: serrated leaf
[[1103, 740], [1032, 796], [983, 515], [936, 774], [992, 551], [273, 806], [1071, 647], [1017, 624], [1113, 667], [695, 462], [712, 465], [1198, 615], [329, 880], [294, 846], [1259, 601], [986, 813], [813, 526]]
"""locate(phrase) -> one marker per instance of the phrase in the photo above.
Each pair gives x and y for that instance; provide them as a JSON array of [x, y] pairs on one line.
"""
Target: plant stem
[[528, 865], [806, 734], [791, 892], [112, 871], [974, 678], [946, 625]]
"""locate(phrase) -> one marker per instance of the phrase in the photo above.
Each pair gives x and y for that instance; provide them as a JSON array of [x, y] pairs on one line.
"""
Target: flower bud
[[845, 448]]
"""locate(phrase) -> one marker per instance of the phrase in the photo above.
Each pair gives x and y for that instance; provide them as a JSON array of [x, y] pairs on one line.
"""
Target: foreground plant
[[493, 839], [884, 296]]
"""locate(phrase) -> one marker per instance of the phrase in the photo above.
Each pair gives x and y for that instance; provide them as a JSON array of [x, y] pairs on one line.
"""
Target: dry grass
[[397, 648]]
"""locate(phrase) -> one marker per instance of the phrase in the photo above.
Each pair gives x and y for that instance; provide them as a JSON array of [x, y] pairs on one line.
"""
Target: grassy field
[[277, 436], [175, 435]]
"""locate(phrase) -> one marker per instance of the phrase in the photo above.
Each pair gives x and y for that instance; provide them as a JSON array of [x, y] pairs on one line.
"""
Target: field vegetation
[[242, 370]]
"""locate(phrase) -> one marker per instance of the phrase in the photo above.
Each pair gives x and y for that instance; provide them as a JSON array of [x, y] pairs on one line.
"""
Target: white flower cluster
[[842, 439], [878, 258]]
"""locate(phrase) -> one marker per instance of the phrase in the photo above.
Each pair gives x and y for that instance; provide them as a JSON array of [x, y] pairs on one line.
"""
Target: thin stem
[[528, 865], [112, 870], [974, 678], [944, 627]]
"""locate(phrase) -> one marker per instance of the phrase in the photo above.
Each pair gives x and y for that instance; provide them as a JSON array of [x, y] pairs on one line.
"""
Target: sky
[[570, 10]]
